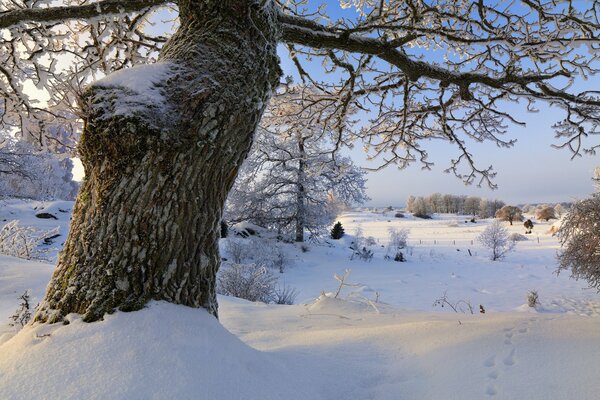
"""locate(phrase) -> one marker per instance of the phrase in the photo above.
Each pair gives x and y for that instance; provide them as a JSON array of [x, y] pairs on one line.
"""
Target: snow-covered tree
[[162, 143], [27, 173], [559, 210], [420, 208], [471, 205], [579, 235], [510, 214], [484, 209], [410, 202], [293, 180], [495, 238], [545, 212]]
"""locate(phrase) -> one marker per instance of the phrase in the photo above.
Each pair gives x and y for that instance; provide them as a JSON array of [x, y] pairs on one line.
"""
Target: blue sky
[[530, 172]]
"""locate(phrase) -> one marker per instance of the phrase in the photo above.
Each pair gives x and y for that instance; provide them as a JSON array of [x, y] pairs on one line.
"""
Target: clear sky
[[531, 172]]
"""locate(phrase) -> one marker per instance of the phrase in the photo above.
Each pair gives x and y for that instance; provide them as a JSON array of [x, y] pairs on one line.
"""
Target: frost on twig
[[23, 241]]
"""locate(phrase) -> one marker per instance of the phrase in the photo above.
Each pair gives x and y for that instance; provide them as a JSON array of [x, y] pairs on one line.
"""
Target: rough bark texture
[[301, 193], [146, 222]]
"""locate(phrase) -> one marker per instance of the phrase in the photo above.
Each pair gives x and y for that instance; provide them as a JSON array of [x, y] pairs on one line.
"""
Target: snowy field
[[382, 338]]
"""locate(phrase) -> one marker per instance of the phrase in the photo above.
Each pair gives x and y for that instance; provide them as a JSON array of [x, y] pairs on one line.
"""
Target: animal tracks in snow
[[508, 357]]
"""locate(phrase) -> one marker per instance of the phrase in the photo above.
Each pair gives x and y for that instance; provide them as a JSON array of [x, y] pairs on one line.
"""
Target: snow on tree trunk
[[301, 192], [161, 147]]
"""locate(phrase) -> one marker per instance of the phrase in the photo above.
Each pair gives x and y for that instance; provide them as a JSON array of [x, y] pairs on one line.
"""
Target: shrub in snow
[[398, 238], [579, 236], [452, 224], [399, 215], [359, 247], [397, 241], [266, 252], [252, 282], [23, 314], [528, 226], [399, 257], [362, 253], [285, 295], [279, 259], [342, 280], [237, 249], [338, 231], [532, 298], [370, 241], [460, 306], [517, 237], [495, 238], [22, 241]]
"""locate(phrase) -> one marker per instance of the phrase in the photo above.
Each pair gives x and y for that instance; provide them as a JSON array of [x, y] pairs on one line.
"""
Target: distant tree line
[[453, 204], [423, 206]]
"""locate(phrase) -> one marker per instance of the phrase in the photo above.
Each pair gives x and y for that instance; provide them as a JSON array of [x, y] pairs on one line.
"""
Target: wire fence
[[454, 242]]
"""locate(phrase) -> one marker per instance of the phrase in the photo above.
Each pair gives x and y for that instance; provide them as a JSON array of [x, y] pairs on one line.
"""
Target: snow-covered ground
[[400, 347]]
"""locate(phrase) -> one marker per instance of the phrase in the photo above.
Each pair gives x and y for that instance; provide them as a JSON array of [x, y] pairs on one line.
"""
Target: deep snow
[[323, 348]]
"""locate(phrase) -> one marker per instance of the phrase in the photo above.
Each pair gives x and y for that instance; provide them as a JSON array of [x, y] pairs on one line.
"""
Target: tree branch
[[309, 33], [57, 14]]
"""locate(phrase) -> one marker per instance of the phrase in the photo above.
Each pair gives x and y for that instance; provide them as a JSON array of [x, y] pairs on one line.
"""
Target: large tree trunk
[[146, 222], [301, 192]]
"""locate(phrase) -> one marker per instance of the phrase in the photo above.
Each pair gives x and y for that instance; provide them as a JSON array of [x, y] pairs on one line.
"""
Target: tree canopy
[[419, 69]]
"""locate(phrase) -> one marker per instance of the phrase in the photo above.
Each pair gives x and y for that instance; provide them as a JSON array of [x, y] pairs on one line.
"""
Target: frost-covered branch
[[11, 12], [445, 70]]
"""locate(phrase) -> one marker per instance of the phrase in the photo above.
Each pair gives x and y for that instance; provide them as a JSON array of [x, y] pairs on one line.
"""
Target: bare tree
[[579, 235], [161, 144], [510, 214], [496, 239], [471, 205]]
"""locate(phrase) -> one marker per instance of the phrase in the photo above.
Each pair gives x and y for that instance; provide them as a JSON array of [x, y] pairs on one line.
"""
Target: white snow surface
[[324, 348], [143, 84]]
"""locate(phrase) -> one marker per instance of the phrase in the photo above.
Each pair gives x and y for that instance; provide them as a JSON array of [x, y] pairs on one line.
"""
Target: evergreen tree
[[338, 231]]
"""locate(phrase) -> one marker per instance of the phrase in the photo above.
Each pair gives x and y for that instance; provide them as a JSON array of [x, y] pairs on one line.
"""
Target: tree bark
[[147, 220], [301, 192]]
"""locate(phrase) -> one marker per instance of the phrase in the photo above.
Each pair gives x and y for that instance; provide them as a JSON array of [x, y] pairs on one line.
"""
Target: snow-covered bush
[[370, 241], [517, 237], [23, 241], [362, 253], [398, 238], [360, 248], [268, 253], [532, 298], [237, 250], [495, 238], [397, 241], [252, 282]]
